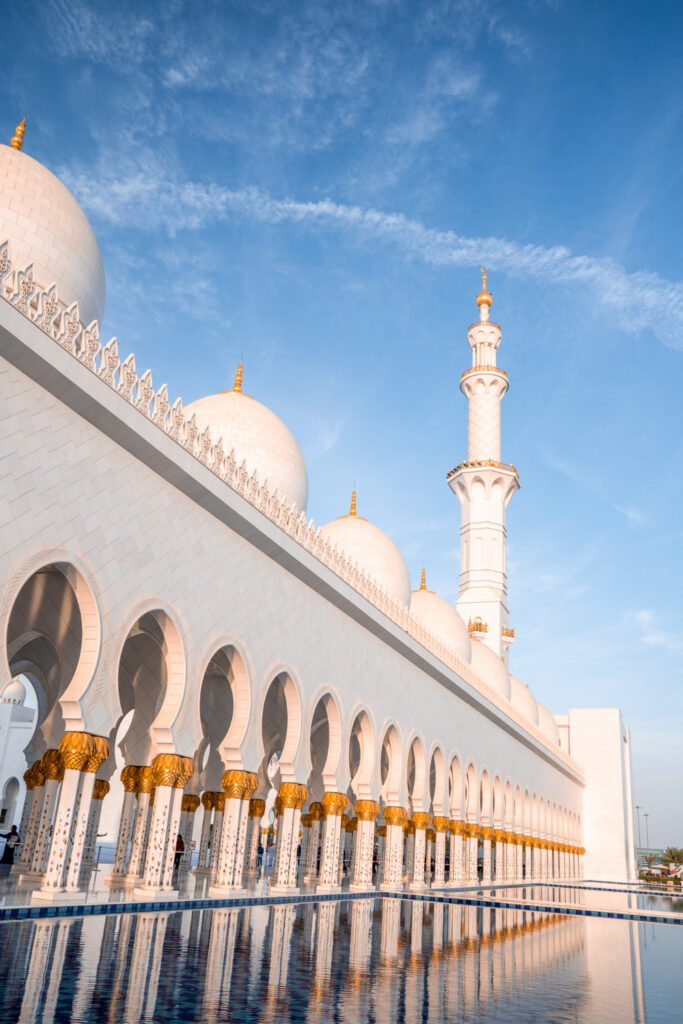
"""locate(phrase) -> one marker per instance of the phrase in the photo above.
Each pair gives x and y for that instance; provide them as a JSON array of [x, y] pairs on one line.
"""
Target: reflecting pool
[[353, 961]]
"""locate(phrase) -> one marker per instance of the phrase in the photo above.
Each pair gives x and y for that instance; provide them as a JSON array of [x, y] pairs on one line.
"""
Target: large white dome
[[373, 552], [548, 725], [441, 619], [522, 699], [258, 437], [491, 669], [45, 226]]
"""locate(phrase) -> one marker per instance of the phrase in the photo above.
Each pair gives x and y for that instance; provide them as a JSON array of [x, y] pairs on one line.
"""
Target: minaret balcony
[[483, 464], [483, 369], [507, 635], [477, 629]]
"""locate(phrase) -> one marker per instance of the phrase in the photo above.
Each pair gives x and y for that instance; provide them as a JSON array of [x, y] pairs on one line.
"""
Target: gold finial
[[18, 137], [484, 298], [423, 579], [352, 510], [237, 386]]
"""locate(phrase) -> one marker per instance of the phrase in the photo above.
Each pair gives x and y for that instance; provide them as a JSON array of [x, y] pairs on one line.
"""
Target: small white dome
[[522, 699], [45, 226], [441, 619], [14, 693], [258, 437], [548, 725], [491, 669], [372, 551]]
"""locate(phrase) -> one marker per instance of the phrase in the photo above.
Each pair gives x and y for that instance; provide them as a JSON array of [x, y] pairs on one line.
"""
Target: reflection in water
[[376, 959]]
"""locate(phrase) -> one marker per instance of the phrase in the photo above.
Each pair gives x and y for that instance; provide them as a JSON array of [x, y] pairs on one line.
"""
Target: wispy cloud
[[653, 635], [634, 516], [633, 299]]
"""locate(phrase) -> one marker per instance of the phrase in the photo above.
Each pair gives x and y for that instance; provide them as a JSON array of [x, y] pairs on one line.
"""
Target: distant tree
[[650, 858], [672, 855]]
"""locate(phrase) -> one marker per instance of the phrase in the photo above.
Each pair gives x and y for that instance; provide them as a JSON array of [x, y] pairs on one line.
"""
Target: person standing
[[12, 841], [179, 850]]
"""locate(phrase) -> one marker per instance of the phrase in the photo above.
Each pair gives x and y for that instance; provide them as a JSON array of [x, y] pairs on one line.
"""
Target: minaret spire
[[484, 484], [18, 138]]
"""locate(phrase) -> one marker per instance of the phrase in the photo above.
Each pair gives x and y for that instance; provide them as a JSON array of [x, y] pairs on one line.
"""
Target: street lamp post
[[647, 832], [638, 809]]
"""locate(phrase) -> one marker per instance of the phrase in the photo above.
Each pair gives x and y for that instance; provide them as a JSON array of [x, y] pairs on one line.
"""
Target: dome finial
[[484, 298], [19, 132], [352, 510], [423, 579], [237, 386]]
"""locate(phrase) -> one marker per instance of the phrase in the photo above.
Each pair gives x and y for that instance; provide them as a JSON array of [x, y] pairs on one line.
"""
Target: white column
[[392, 868], [130, 777], [455, 875], [311, 866], [366, 812], [472, 854], [52, 780], [332, 806], [420, 821], [207, 804], [100, 790], [486, 863], [257, 808], [290, 800], [440, 828], [29, 837], [499, 875], [238, 786], [174, 812], [73, 872], [143, 814], [216, 833], [344, 834], [30, 780], [170, 773], [53, 880]]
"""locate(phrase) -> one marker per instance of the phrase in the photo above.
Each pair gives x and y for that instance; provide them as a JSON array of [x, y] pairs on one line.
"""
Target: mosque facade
[[208, 661]]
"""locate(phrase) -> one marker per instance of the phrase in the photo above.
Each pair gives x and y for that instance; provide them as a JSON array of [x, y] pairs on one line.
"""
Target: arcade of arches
[[345, 819]]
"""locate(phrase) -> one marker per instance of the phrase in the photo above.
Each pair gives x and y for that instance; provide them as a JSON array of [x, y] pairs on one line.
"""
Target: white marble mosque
[[206, 660]]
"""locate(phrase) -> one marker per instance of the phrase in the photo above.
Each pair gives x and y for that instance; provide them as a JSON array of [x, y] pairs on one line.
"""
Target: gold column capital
[[52, 766], [239, 784], [130, 775], [100, 789], [207, 800], [145, 780], [315, 810], [292, 794], [257, 808], [306, 820], [431, 835], [189, 803], [76, 749], [100, 755], [333, 804], [165, 769], [219, 802], [395, 815], [420, 820], [439, 823], [366, 810]]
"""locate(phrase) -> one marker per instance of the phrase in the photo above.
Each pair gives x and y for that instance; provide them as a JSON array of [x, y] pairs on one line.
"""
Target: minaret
[[484, 486]]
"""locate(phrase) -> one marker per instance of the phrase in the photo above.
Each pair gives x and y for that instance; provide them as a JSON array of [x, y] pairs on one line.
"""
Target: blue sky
[[315, 185]]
